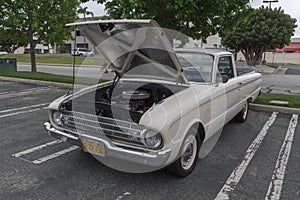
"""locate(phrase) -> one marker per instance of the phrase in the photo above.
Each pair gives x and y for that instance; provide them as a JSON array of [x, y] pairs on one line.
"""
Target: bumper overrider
[[154, 159]]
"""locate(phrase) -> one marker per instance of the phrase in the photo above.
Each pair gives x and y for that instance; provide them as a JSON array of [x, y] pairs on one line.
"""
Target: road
[[285, 82], [67, 70], [292, 70], [274, 83], [281, 84], [34, 166]]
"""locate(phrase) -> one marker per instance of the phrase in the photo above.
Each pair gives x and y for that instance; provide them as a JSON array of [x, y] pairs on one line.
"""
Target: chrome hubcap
[[189, 152], [245, 111]]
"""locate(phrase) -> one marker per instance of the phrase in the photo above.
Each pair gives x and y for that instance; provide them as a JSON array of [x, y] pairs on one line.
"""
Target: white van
[[82, 52]]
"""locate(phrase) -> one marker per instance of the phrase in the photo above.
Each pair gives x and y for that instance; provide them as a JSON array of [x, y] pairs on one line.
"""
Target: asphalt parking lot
[[259, 159], [293, 70]]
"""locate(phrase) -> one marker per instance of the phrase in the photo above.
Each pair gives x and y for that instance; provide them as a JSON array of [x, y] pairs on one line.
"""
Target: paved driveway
[[281, 84], [292, 70]]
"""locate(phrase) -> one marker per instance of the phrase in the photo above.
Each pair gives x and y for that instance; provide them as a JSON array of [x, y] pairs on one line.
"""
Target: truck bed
[[242, 71]]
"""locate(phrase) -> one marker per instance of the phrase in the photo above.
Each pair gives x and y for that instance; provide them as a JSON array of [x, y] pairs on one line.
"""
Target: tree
[[10, 41], [196, 18], [38, 21], [263, 29], [85, 12]]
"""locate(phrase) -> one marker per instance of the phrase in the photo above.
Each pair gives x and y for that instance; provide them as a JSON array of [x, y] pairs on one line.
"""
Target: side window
[[225, 66]]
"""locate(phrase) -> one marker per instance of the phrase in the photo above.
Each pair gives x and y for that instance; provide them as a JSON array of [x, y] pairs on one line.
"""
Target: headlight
[[152, 139], [57, 117]]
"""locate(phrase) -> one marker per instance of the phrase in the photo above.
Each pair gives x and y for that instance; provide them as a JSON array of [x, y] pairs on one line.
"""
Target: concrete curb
[[280, 109], [276, 69], [61, 85]]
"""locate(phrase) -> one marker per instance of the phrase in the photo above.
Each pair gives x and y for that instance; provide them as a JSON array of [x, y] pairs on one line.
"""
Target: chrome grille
[[115, 130]]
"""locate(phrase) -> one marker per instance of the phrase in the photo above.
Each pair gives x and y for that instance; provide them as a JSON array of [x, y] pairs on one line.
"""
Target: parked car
[[82, 52], [164, 106]]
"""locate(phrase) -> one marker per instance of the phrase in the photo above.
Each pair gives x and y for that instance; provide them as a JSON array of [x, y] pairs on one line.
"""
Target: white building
[[81, 42]]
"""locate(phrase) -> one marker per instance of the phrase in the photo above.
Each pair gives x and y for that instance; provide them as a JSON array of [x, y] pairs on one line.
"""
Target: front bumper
[[151, 159]]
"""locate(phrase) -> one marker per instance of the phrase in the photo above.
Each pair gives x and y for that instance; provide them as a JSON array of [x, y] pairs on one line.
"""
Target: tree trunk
[[7, 49], [252, 57], [32, 44], [32, 55], [260, 57]]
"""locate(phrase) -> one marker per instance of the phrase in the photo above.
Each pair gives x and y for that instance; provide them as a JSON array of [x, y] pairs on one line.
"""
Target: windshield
[[197, 67]]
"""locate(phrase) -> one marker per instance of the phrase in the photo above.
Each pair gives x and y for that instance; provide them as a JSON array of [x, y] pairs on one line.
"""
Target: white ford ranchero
[[165, 108]]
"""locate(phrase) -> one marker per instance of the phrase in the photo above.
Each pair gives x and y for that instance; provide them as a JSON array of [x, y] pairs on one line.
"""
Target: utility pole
[[270, 2], [270, 6]]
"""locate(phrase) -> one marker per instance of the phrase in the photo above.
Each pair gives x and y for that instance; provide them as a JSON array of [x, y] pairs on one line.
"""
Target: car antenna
[[73, 64], [74, 60], [74, 56]]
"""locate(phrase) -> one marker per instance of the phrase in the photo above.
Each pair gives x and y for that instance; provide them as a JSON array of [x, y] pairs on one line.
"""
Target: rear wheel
[[186, 163], [242, 115]]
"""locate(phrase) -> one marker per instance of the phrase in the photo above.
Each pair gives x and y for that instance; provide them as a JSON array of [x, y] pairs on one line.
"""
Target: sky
[[291, 7], [97, 9]]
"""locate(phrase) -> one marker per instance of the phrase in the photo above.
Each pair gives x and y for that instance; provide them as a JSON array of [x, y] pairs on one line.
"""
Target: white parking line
[[6, 83], [23, 108], [238, 172], [25, 91], [22, 112], [54, 155], [276, 183], [28, 151], [46, 158]]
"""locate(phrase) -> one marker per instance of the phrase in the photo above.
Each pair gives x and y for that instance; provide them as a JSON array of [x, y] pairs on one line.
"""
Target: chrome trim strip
[[107, 124], [113, 129], [152, 158], [52, 129], [106, 118], [110, 147]]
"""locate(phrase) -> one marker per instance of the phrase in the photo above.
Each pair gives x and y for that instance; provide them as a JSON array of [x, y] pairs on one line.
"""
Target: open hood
[[134, 48]]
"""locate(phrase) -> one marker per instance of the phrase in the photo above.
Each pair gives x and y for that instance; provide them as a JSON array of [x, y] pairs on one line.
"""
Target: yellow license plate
[[93, 147]]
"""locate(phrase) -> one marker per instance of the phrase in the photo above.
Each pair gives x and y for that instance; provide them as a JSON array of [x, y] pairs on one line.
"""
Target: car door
[[232, 92]]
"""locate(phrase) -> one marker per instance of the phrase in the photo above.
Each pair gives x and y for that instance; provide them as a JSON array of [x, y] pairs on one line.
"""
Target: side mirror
[[225, 78]]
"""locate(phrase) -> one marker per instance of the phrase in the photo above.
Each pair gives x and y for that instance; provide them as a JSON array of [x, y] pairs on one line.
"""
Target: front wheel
[[186, 163], [242, 115]]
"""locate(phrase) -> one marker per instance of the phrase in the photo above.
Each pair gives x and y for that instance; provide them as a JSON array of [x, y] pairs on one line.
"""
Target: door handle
[[240, 83]]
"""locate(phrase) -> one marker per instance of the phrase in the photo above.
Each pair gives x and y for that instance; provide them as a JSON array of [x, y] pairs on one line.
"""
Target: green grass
[[55, 59], [293, 65], [50, 77], [272, 65], [277, 65], [265, 98]]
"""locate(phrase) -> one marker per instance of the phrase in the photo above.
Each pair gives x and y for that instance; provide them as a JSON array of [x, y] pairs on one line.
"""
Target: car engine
[[124, 101], [134, 100], [120, 101]]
